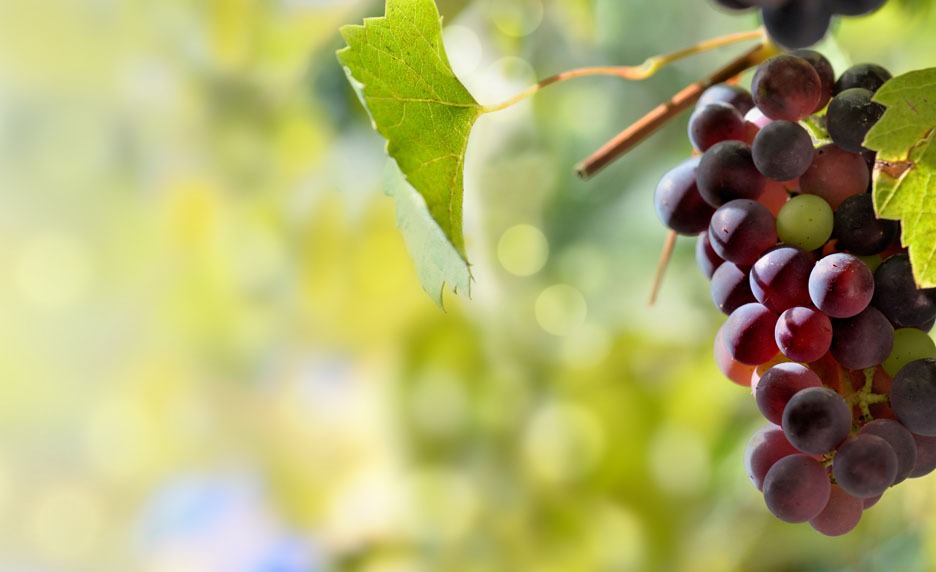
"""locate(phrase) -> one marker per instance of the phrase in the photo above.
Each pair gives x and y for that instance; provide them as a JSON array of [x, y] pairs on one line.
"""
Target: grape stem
[[665, 256], [661, 114], [635, 73], [864, 397]]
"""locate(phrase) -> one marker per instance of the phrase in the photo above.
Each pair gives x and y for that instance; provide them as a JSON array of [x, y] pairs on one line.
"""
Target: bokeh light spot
[[53, 271], [590, 344], [516, 19], [438, 403], [563, 441], [679, 461], [560, 309], [66, 521], [463, 48], [523, 250], [620, 538], [452, 503], [503, 79]]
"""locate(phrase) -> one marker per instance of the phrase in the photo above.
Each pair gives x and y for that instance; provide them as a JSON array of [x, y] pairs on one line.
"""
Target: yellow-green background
[[215, 355]]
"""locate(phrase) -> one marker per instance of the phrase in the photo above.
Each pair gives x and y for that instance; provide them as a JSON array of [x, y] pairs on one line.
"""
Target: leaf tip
[[439, 297]]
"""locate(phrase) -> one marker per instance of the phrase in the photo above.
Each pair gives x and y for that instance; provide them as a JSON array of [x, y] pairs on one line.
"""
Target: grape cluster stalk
[[801, 23], [825, 322]]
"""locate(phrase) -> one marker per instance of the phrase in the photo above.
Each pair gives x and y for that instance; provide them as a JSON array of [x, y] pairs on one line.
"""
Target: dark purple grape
[[727, 172], [865, 465], [896, 294], [926, 456], [841, 285], [734, 95], [803, 334], [748, 334], [816, 420], [863, 340], [714, 123], [796, 488], [741, 230], [866, 76], [706, 257], [678, 202], [786, 87], [780, 278], [854, 7], [835, 174], [779, 384], [797, 23], [840, 515], [927, 325], [731, 288], [900, 440], [734, 5], [871, 501], [913, 396], [870, 158], [825, 72], [767, 446], [782, 150], [850, 116], [858, 229]]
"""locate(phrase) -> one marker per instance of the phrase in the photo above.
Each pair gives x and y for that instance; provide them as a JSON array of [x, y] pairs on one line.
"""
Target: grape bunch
[[825, 321], [801, 23]]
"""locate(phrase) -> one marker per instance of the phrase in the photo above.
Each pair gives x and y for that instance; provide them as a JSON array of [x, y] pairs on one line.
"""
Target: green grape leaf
[[905, 172], [437, 261], [399, 69]]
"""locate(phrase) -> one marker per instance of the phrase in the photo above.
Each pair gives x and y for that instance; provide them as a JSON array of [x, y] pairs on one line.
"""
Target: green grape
[[909, 344], [805, 221], [872, 261]]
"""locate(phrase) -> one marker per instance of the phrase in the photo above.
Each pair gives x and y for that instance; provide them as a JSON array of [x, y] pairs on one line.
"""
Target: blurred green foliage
[[202, 277]]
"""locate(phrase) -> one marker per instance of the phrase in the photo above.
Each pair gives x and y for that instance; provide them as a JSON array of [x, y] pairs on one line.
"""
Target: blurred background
[[215, 355]]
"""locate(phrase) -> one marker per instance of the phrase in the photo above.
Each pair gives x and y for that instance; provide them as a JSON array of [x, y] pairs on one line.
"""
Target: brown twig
[[647, 69], [661, 266], [667, 110]]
